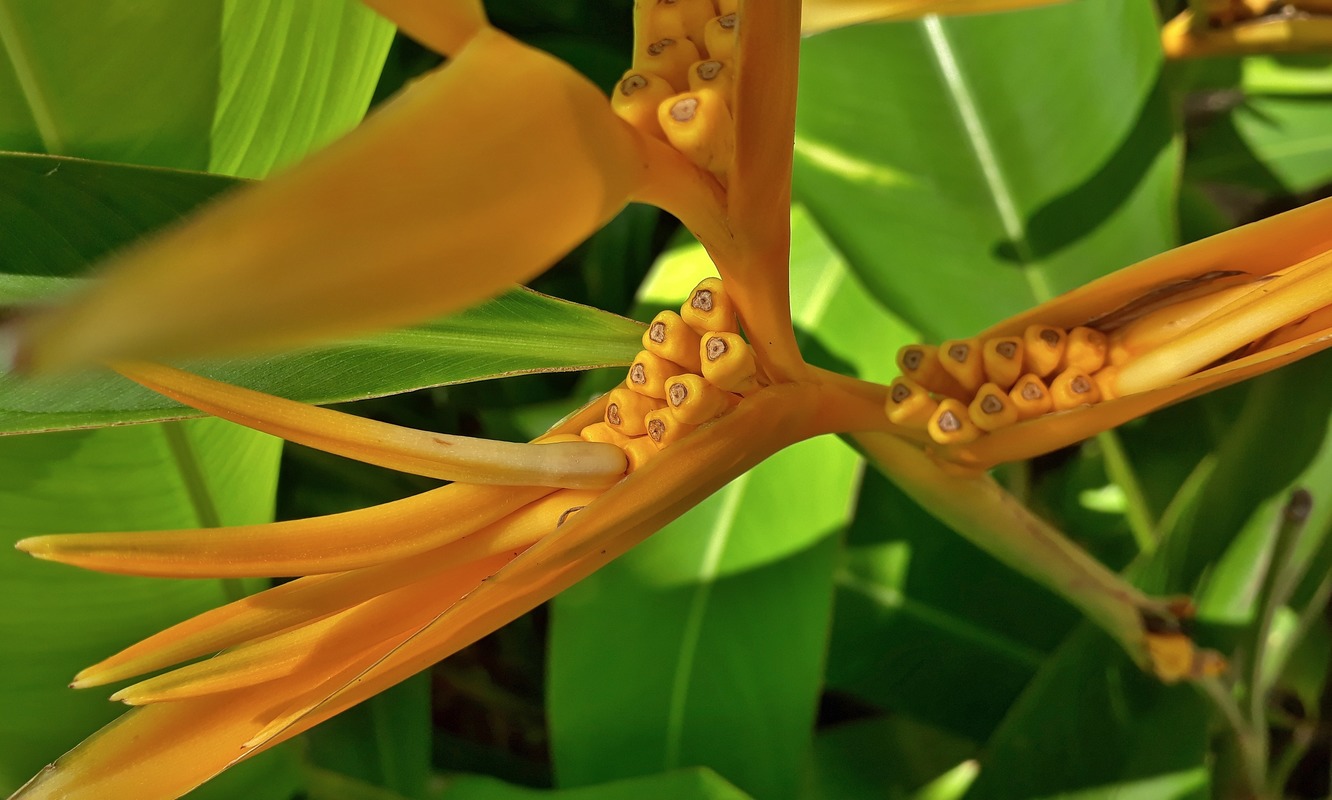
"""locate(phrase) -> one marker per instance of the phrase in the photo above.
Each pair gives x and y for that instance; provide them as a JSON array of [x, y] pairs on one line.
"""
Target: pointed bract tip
[[34, 546]]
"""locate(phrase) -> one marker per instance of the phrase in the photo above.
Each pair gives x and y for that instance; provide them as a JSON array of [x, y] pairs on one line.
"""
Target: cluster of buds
[[694, 367], [680, 88], [965, 388]]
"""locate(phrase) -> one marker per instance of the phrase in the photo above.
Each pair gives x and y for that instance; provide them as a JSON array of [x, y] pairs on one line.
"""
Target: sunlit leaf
[[994, 178]]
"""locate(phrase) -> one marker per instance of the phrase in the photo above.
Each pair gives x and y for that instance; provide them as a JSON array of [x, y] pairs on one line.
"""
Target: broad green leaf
[[928, 626], [1278, 144], [1093, 725], [58, 619], [275, 54], [1013, 156], [519, 332], [705, 644], [69, 213], [886, 757], [146, 82], [220, 85], [1289, 74], [684, 784]]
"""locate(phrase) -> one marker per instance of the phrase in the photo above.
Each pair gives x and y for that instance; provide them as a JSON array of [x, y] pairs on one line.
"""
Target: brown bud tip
[[638, 374], [632, 84], [657, 332], [727, 21], [900, 393], [717, 348], [912, 358], [702, 299], [992, 404], [1050, 337], [1032, 392], [678, 393], [659, 47], [613, 414], [656, 429], [959, 352], [684, 110], [1006, 349], [1080, 385], [949, 423], [709, 70]]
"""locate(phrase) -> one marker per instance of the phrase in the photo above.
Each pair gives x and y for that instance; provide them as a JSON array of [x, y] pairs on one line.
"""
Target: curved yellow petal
[[478, 175], [312, 598], [162, 750], [324, 645], [823, 15], [650, 497], [574, 465], [332, 543], [442, 25], [1181, 38]]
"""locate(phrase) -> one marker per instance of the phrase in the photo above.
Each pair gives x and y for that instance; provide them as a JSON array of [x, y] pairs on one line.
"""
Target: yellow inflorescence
[[694, 367], [681, 85], [964, 388]]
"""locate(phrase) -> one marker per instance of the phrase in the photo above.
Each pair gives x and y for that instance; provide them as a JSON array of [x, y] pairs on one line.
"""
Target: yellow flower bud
[[699, 125], [709, 308], [951, 424], [1003, 360], [648, 374], [663, 428], [637, 97], [693, 401], [909, 404], [1031, 397], [728, 362], [669, 337], [626, 410], [992, 409]]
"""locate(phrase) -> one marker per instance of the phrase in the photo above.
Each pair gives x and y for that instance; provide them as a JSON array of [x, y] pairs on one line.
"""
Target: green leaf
[[273, 55], [145, 82], [684, 784], [1275, 143], [207, 77], [1013, 156], [516, 333], [705, 644], [57, 620], [1093, 725], [69, 213], [929, 626], [889, 758]]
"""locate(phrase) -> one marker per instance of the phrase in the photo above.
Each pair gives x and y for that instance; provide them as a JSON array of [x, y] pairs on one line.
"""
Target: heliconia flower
[[1186, 322], [1245, 27], [701, 125]]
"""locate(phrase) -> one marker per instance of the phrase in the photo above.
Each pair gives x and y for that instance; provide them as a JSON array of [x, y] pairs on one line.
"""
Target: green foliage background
[[808, 632]]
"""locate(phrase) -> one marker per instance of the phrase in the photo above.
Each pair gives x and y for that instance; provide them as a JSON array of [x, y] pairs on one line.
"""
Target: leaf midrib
[[986, 155]]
